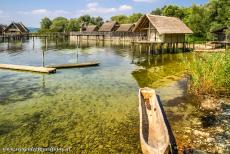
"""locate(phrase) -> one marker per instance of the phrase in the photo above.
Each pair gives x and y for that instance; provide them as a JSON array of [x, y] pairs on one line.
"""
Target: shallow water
[[90, 110]]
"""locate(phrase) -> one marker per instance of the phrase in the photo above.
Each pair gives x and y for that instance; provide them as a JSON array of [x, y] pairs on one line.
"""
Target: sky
[[30, 12]]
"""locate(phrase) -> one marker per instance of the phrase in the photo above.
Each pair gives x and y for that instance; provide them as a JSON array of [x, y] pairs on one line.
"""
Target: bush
[[210, 73]]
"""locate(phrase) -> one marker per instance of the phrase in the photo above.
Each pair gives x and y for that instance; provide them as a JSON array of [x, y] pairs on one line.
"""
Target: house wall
[[174, 38], [155, 36], [221, 36], [127, 39], [12, 30]]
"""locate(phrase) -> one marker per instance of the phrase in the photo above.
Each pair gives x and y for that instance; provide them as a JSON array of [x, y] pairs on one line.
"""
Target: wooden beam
[[86, 64], [28, 68]]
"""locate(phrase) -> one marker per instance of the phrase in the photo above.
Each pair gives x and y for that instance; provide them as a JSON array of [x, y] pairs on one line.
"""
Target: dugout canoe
[[154, 135]]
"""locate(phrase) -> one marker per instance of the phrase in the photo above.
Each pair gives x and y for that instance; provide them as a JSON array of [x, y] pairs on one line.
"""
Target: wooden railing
[[109, 34], [48, 34]]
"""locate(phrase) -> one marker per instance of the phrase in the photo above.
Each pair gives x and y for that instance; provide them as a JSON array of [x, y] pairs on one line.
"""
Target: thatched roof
[[91, 28], [221, 29], [125, 28], [2, 28], [109, 26], [18, 26], [163, 24]]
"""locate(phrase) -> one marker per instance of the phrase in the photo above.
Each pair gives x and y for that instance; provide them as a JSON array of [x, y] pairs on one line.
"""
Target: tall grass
[[210, 73]]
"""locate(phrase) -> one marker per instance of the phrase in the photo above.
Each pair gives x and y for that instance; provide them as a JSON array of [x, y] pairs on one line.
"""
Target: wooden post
[[46, 43], [8, 42], [43, 58], [183, 47], [177, 47], [43, 81], [173, 47], [140, 48], [149, 49], [167, 48], [154, 48], [161, 50], [33, 42]]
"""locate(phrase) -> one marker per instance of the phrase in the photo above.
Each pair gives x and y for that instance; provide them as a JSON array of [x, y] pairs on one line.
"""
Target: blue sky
[[31, 11]]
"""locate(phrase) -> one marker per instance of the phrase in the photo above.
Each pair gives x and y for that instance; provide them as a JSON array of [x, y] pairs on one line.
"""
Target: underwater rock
[[200, 133], [210, 139], [198, 152], [100, 146], [210, 104]]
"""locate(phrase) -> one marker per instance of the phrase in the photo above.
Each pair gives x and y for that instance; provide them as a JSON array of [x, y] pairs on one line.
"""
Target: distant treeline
[[202, 19], [61, 24]]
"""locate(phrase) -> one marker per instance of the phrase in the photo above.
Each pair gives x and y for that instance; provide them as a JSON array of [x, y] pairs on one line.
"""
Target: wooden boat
[[154, 134]]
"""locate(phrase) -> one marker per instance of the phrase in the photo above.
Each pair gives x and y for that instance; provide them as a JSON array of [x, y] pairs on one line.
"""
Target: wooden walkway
[[86, 64], [28, 68]]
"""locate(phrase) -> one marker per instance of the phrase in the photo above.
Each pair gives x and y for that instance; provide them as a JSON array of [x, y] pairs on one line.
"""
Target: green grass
[[210, 73]]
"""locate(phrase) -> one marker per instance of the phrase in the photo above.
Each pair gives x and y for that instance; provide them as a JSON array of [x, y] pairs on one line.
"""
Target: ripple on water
[[91, 110]]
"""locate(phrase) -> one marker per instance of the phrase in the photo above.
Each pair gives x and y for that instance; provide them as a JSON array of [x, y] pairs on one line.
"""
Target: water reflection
[[91, 110]]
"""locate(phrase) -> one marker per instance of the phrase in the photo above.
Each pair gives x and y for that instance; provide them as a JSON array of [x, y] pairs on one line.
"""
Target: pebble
[[100, 146], [197, 132], [210, 139]]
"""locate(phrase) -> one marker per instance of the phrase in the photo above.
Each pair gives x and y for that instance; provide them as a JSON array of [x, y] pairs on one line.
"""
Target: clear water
[[90, 110]]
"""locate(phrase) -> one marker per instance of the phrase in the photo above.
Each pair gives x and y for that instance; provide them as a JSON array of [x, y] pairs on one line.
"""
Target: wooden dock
[[28, 68], [85, 64]]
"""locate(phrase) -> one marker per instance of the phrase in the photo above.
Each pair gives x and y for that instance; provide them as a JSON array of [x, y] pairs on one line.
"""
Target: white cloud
[[92, 8], [45, 12], [3, 15], [39, 11], [125, 8], [94, 4], [147, 1]]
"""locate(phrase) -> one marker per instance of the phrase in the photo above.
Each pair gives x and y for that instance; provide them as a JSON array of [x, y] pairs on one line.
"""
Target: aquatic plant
[[210, 73]]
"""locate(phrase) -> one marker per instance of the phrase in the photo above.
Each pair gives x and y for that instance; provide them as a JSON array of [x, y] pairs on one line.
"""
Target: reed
[[210, 73]]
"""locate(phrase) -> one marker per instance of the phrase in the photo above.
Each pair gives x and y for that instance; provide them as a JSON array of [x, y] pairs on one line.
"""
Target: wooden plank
[[86, 64], [28, 68]]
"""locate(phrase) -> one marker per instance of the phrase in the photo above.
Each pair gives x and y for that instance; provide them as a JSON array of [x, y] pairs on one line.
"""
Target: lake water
[[90, 110]]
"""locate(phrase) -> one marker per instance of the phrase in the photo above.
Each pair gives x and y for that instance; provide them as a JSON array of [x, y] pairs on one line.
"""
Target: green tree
[[157, 11], [122, 19], [73, 25], [85, 19], [59, 24], [173, 11], [96, 21], [134, 17], [45, 23], [197, 21]]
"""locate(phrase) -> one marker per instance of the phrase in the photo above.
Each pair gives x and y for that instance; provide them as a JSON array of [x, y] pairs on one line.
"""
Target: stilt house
[[221, 34], [162, 29], [91, 28], [2, 28], [125, 28], [109, 26], [16, 29]]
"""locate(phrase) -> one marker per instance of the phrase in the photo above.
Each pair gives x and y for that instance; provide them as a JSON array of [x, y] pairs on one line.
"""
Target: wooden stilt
[[149, 49]]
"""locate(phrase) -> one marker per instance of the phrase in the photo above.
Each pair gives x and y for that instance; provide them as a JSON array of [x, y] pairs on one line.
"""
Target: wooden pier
[[28, 68], [160, 47], [85, 64], [113, 36], [13, 37]]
